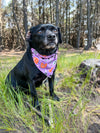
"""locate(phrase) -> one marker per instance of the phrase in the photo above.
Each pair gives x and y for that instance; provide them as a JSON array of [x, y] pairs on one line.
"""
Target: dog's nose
[[51, 36]]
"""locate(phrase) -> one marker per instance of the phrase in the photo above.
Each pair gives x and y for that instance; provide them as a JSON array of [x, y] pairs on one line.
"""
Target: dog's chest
[[39, 78]]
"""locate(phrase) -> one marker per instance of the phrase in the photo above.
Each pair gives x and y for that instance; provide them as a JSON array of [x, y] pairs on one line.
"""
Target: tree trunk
[[79, 26], [15, 18], [32, 14], [25, 23], [57, 12], [47, 12], [66, 21], [50, 12], [96, 2], [53, 11], [43, 12], [63, 27], [92, 19], [88, 27], [39, 11]]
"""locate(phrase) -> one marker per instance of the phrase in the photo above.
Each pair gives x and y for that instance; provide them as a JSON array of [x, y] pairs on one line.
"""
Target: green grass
[[67, 116]]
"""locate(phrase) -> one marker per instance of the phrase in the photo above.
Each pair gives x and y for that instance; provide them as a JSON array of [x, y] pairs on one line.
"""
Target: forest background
[[79, 21]]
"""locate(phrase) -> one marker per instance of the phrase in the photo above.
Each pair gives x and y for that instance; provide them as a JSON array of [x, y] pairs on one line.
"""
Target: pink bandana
[[46, 64]]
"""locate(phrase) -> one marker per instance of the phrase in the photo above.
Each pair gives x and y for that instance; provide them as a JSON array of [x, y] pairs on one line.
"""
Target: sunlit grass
[[66, 115], [68, 61]]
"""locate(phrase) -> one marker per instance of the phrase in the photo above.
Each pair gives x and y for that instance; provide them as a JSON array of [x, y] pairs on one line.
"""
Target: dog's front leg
[[33, 92], [51, 87]]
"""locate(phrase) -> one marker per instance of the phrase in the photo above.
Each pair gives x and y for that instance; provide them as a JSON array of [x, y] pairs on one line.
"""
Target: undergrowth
[[66, 116]]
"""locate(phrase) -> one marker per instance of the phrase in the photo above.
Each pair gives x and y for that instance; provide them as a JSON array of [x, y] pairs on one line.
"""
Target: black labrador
[[44, 38]]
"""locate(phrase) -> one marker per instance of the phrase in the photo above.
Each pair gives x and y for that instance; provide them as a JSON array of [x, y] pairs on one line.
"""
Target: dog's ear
[[28, 38], [59, 36], [29, 35]]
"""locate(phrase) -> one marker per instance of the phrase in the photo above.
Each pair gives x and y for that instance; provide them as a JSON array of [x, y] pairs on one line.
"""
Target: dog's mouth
[[50, 45]]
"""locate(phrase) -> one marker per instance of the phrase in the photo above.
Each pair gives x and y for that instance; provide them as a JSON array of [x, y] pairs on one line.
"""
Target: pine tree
[[79, 25], [57, 12], [88, 27], [25, 23]]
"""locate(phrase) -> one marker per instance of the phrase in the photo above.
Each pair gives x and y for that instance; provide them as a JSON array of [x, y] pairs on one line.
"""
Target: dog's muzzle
[[50, 41], [51, 37]]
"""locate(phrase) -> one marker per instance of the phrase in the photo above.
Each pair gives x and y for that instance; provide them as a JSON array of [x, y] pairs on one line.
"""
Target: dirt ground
[[11, 53], [7, 52]]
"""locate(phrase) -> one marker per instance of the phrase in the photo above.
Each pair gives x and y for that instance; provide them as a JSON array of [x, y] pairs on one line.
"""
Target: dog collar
[[46, 64]]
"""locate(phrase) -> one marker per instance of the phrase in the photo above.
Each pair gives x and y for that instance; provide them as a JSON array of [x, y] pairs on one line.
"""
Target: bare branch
[[46, 118]]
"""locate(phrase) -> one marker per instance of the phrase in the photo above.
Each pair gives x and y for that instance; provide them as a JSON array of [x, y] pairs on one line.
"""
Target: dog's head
[[44, 37]]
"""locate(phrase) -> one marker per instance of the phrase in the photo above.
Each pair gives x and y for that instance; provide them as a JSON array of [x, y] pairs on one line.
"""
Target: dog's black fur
[[44, 38]]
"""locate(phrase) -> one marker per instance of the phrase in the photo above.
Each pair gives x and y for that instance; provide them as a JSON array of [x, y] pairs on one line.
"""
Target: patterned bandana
[[46, 64]]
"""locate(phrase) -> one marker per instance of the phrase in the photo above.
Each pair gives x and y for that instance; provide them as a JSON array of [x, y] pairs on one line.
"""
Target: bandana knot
[[46, 64]]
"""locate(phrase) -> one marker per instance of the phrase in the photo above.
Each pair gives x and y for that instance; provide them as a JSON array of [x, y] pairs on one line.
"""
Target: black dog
[[44, 38]]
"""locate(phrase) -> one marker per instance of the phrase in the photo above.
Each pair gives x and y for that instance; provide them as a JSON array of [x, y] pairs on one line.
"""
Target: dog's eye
[[55, 30], [39, 32]]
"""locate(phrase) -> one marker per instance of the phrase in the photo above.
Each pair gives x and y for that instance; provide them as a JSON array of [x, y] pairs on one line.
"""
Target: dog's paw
[[37, 105], [55, 97], [38, 108]]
